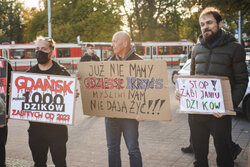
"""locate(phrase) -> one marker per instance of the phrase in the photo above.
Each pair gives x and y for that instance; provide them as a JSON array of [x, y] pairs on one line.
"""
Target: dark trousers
[[45, 137], [3, 140], [190, 142], [234, 146], [201, 126]]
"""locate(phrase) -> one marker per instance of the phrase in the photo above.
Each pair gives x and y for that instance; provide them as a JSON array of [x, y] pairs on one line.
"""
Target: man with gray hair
[[115, 127]]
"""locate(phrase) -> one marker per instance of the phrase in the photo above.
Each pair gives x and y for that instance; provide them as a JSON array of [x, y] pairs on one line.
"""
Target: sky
[[30, 3]]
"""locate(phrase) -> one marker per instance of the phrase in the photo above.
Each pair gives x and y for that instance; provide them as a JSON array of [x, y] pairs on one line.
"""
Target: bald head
[[122, 36], [121, 43]]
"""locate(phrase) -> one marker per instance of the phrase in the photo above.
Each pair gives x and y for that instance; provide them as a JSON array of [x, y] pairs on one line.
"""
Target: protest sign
[[3, 90], [125, 89], [205, 95], [42, 98]]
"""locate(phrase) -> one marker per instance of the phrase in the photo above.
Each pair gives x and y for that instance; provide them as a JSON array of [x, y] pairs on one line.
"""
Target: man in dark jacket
[[121, 43], [4, 128], [45, 136], [89, 55], [216, 53]]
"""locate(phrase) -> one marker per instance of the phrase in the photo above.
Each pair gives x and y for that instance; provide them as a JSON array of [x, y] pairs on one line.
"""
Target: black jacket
[[56, 69], [87, 57], [227, 58], [8, 85]]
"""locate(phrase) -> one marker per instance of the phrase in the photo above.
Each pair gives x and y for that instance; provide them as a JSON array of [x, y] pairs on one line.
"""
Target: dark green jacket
[[227, 58]]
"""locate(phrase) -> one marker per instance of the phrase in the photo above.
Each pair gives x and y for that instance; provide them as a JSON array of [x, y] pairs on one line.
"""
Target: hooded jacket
[[226, 58]]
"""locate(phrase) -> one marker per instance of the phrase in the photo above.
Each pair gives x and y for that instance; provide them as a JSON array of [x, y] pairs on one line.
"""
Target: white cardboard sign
[[42, 98], [203, 95]]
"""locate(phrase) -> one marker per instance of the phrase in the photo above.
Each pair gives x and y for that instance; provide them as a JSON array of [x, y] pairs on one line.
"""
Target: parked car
[[185, 70], [244, 106]]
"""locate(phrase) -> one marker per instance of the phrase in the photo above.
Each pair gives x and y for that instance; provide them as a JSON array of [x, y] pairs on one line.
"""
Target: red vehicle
[[22, 56], [169, 51]]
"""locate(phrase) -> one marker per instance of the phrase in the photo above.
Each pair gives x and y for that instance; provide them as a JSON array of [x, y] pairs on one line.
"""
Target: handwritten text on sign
[[201, 95], [125, 89], [42, 98]]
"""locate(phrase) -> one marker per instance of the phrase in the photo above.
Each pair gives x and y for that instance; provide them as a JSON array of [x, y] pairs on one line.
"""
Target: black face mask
[[42, 57]]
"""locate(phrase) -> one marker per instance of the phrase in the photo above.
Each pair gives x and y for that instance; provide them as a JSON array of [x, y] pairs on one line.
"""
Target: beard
[[210, 38]]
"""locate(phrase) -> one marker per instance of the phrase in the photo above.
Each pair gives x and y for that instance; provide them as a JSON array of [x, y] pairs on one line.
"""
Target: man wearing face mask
[[45, 136], [216, 53]]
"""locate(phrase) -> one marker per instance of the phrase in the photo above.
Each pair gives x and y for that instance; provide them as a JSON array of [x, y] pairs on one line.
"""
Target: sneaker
[[236, 151], [187, 149]]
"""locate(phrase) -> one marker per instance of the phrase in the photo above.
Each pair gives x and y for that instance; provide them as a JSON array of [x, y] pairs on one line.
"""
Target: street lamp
[[49, 19]]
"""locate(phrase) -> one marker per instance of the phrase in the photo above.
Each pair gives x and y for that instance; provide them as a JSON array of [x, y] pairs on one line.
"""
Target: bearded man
[[216, 53]]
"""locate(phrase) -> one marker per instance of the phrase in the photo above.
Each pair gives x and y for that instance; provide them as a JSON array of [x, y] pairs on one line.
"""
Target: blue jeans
[[129, 127]]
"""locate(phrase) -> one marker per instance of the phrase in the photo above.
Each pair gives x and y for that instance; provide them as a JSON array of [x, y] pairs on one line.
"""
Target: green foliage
[[93, 20], [172, 20], [153, 20], [229, 10], [98, 20], [190, 28], [11, 27]]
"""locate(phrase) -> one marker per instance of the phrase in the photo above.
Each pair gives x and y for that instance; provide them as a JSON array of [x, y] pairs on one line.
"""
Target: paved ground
[[160, 142]]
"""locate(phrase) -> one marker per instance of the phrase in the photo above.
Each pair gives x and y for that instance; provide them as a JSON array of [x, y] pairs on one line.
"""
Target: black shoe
[[236, 151], [187, 149]]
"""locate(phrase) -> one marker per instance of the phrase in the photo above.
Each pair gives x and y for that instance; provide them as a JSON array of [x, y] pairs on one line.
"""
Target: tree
[[229, 10], [171, 24], [153, 20], [170, 20], [92, 20], [11, 26], [190, 27]]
